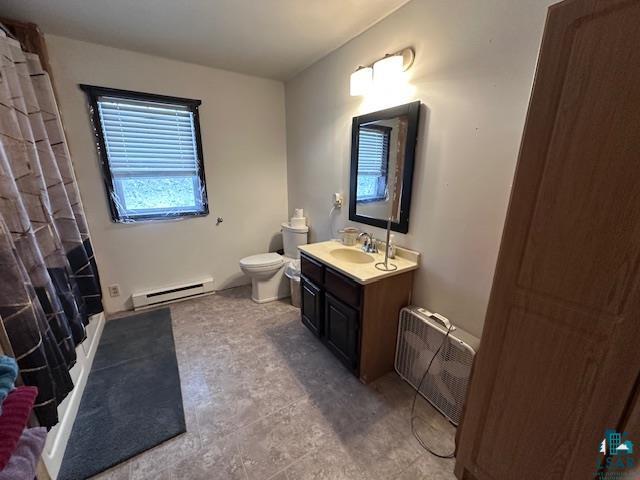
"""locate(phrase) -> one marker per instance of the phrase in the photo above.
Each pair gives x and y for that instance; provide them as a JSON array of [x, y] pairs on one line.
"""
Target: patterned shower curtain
[[49, 285]]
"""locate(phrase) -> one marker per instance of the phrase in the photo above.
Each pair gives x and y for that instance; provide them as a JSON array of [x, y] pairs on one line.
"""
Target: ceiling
[[268, 38]]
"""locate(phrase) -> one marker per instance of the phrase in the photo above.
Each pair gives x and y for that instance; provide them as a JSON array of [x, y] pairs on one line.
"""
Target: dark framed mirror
[[383, 147]]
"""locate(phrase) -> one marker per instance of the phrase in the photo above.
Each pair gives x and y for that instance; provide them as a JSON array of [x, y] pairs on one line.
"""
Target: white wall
[[474, 67], [243, 138]]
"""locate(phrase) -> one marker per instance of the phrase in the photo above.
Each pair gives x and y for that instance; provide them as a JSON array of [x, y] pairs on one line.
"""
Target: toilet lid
[[291, 228], [262, 260]]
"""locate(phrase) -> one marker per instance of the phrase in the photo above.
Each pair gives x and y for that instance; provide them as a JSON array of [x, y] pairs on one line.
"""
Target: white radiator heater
[[171, 294], [420, 334]]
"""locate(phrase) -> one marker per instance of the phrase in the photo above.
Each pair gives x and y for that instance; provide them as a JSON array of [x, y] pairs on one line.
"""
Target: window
[[151, 154], [373, 163]]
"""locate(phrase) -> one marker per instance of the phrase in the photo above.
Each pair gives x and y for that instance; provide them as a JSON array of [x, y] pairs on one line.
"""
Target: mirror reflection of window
[[373, 163], [380, 163]]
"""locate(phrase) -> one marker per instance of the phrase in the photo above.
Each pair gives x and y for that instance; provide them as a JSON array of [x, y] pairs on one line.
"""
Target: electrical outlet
[[114, 290]]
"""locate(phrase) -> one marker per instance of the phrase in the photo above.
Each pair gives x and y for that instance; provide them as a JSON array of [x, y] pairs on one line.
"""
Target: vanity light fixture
[[383, 72], [361, 81], [388, 70]]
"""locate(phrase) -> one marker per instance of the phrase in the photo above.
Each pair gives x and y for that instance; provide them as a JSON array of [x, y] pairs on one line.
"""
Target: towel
[[8, 375], [24, 461], [17, 407]]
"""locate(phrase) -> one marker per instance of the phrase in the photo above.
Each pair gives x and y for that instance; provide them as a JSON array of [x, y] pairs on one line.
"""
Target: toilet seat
[[262, 261]]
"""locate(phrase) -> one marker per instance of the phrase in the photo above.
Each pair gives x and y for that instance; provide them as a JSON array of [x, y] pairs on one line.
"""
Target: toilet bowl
[[266, 270]]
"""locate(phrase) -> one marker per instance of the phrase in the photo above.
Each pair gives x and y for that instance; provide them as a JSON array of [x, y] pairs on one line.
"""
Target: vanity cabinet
[[312, 303], [357, 323]]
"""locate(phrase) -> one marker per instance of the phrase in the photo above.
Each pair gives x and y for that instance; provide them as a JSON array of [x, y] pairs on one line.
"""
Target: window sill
[[372, 200], [158, 217]]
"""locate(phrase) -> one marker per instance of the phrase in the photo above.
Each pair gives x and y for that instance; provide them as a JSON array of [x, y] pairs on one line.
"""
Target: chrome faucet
[[369, 245]]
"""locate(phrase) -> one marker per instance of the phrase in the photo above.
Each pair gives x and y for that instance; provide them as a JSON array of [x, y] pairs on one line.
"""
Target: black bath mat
[[132, 400]]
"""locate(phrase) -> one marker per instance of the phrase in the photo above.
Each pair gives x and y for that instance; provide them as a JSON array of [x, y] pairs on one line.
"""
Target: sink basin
[[350, 255], [356, 264]]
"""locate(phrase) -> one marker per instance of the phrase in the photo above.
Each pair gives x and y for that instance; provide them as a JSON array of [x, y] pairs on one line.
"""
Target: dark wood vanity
[[358, 323]]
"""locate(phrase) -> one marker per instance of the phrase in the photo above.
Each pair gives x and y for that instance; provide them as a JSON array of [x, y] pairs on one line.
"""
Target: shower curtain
[[49, 285]]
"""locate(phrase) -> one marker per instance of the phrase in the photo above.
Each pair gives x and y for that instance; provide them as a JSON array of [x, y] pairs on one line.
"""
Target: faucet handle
[[366, 242], [370, 244], [373, 245]]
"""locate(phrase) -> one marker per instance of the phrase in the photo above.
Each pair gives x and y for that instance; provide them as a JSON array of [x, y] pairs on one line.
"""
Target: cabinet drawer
[[312, 269], [342, 287]]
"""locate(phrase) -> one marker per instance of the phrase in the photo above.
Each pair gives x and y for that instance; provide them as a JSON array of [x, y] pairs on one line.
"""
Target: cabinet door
[[559, 356], [341, 330], [311, 306]]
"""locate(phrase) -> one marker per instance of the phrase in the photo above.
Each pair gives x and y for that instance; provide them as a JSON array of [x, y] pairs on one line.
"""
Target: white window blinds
[[373, 152], [373, 163], [148, 139]]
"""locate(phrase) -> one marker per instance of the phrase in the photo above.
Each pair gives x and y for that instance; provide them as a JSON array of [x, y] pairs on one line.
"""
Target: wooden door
[[632, 428], [341, 331], [311, 308], [560, 354]]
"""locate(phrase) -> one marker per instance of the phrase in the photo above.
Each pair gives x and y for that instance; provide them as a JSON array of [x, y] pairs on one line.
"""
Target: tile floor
[[264, 399]]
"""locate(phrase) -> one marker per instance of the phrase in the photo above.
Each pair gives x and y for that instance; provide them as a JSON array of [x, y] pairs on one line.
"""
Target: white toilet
[[267, 269]]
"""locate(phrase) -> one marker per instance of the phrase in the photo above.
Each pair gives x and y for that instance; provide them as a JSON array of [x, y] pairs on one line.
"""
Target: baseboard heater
[[171, 294]]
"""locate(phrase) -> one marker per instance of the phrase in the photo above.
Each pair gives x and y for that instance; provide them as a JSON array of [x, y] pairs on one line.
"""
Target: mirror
[[383, 148]]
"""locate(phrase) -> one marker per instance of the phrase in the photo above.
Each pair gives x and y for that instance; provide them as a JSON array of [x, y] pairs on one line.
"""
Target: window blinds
[[373, 151], [148, 139]]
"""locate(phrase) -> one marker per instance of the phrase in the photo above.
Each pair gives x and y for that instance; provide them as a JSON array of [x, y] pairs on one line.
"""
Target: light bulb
[[361, 81], [388, 70]]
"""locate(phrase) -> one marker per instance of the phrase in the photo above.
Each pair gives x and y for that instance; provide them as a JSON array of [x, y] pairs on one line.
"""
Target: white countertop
[[363, 273]]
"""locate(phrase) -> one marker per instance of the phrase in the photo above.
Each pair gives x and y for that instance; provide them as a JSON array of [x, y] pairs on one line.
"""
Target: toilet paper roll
[[298, 213]]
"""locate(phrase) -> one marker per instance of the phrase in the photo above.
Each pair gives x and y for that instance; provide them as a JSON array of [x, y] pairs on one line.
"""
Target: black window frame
[[93, 94]]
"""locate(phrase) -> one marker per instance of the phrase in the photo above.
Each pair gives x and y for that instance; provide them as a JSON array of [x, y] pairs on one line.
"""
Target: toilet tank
[[292, 237]]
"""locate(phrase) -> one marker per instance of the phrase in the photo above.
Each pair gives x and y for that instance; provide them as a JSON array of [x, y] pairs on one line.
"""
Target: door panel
[[559, 358], [311, 306], [341, 331], [512, 408], [631, 425], [589, 255]]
